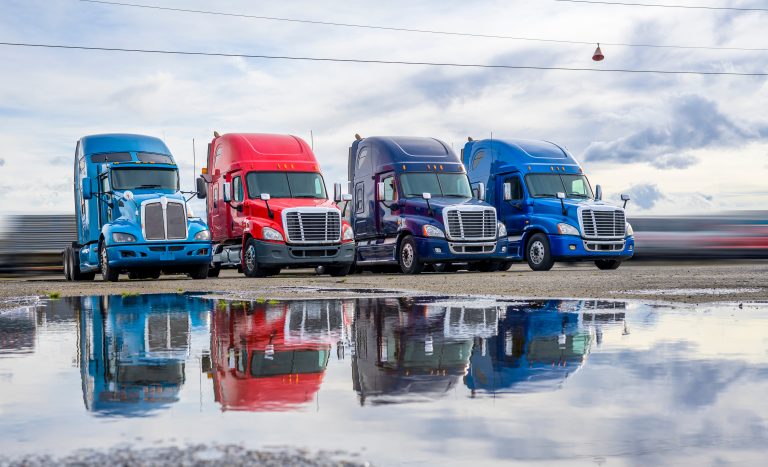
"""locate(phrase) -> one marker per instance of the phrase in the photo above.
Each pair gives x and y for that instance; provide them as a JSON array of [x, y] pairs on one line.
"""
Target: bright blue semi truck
[[547, 204], [412, 206], [132, 216]]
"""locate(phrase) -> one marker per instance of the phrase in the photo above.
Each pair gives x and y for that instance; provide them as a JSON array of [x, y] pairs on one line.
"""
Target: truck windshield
[[436, 184], [286, 185], [137, 178], [548, 185]]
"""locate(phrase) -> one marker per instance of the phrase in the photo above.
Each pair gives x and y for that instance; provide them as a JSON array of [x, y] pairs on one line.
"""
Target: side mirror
[[202, 188], [380, 191], [337, 192], [346, 197], [598, 192], [426, 195], [481, 191], [625, 198], [560, 195], [507, 191], [226, 191], [265, 197], [86, 188]]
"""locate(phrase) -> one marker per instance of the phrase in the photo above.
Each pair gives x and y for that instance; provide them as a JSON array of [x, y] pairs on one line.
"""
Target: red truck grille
[[312, 225]]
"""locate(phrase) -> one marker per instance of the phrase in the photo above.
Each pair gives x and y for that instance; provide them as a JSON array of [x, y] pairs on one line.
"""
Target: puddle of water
[[708, 291], [411, 379]]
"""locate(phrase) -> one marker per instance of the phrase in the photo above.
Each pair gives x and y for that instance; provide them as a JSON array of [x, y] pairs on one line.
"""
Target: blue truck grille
[[471, 224], [168, 225], [313, 226], [603, 224]]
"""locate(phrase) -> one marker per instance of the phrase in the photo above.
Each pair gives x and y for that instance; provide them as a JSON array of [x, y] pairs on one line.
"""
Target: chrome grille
[[474, 224], [603, 224], [312, 225], [164, 224]]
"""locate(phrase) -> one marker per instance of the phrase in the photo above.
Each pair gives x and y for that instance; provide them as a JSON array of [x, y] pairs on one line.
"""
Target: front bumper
[[569, 247], [281, 254], [440, 250], [158, 255]]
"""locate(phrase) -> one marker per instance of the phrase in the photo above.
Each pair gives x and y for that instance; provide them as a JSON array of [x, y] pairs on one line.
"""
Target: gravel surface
[[196, 455], [691, 283]]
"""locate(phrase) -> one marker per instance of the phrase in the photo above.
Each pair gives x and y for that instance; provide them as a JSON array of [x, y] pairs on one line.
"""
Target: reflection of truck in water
[[547, 205], [131, 214], [272, 357], [407, 351], [539, 345], [133, 350]]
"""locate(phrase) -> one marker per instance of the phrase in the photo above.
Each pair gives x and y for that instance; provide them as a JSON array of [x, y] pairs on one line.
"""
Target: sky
[[678, 144]]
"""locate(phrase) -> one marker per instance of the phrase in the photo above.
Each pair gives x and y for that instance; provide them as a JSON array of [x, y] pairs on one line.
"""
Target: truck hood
[[552, 206], [131, 209], [257, 208], [418, 206]]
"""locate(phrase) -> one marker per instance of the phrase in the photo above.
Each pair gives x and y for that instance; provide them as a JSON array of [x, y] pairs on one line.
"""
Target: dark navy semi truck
[[412, 206]]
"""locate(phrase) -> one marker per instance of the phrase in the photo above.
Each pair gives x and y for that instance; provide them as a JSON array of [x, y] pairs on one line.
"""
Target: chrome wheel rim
[[537, 252], [250, 258], [407, 256], [104, 260], [67, 269]]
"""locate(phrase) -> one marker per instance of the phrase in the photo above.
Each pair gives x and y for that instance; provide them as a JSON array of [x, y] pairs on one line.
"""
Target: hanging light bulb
[[598, 56]]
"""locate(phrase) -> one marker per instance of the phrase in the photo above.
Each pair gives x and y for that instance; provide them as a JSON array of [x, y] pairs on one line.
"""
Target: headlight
[[118, 237], [630, 230], [567, 229], [268, 233], [203, 235], [502, 230], [432, 231], [349, 234]]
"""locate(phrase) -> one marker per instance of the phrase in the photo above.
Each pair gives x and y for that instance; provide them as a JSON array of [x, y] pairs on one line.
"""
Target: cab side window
[[237, 189], [390, 192], [517, 187], [359, 198]]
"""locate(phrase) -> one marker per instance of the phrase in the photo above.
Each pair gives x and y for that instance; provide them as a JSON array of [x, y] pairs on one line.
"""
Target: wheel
[[214, 271], [319, 270], [408, 258], [66, 261], [608, 264], [487, 266], [74, 267], [107, 273], [153, 274], [339, 271], [538, 253], [439, 267], [271, 271], [199, 272], [505, 266], [250, 263]]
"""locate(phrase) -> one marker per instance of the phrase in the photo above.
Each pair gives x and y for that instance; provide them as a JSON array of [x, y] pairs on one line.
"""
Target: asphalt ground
[[675, 282]]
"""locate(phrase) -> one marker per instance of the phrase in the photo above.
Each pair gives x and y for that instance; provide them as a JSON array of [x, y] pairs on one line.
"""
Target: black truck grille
[[171, 226], [471, 225], [603, 224], [313, 226]]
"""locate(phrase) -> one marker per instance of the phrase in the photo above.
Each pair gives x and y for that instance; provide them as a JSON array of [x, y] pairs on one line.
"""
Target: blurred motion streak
[[33, 243]]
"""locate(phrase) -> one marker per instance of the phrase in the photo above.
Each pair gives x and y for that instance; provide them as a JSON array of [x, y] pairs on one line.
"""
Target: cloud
[[645, 195], [694, 122], [2, 162]]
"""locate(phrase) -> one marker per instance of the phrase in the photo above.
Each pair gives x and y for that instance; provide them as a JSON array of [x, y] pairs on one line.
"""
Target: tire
[[154, 274], [487, 266], [538, 253], [439, 267], [271, 271], [608, 264], [339, 271], [74, 267], [249, 262], [214, 271], [67, 264], [107, 273], [199, 272], [407, 256], [505, 266]]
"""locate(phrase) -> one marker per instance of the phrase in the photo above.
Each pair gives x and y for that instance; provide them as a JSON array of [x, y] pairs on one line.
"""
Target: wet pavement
[[416, 380]]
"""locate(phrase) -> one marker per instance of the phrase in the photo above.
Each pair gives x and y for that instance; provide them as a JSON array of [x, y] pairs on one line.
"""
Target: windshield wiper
[[456, 196], [149, 186], [307, 196]]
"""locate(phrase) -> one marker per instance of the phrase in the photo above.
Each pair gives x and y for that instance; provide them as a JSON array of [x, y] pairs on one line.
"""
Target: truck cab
[[412, 205], [132, 216], [547, 204], [269, 208]]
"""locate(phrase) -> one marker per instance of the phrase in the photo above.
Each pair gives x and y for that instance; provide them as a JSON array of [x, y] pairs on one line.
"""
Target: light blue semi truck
[[547, 205], [132, 216]]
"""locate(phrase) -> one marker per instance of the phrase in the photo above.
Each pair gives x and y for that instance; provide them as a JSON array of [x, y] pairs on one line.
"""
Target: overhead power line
[[659, 5], [381, 62], [412, 30]]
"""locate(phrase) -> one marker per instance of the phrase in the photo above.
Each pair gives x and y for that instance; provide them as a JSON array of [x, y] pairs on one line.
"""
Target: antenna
[[194, 162], [312, 140]]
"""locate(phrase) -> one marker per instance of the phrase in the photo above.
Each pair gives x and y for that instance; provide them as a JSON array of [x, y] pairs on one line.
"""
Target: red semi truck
[[268, 207]]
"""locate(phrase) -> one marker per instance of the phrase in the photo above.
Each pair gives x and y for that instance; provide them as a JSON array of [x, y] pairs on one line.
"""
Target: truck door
[[236, 206], [514, 212], [105, 199], [217, 226], [386, 220]]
